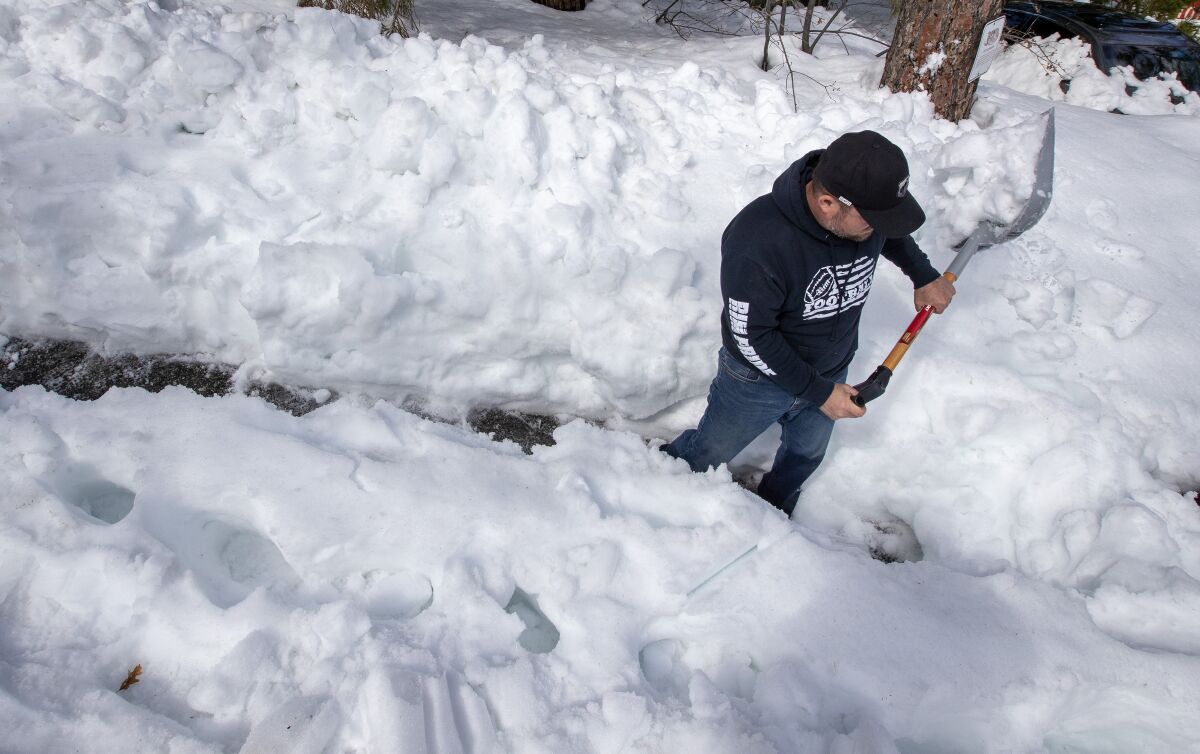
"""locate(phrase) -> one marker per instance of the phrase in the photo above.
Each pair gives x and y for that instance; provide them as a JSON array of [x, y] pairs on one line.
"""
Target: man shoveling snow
[[796, 267]]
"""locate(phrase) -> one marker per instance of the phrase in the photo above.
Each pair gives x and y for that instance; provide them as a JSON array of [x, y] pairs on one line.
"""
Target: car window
[[1149, 62], [1017, 20], [1044, 27], [1023, 24]]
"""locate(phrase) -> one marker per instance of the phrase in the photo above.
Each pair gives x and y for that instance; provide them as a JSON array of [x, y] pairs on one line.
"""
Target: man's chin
[[856, 237]]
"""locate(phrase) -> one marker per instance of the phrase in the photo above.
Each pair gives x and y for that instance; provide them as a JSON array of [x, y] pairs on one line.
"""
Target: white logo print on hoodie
[[835, 289]]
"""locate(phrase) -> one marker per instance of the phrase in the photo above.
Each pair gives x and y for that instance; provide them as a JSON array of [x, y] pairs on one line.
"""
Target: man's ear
[[826, 205], [828, 202]]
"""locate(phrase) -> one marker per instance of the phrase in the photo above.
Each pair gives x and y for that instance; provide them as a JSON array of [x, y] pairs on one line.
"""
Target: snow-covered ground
[[523, 208]]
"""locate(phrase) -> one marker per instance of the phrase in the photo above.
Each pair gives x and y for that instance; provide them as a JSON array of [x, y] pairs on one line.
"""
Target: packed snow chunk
[[327, 291], [397, 143], [985, 176], [397, 596], [668, 271], [334, 36], [933, 62], [210, 69], [304, 725], [1141, 589], [1174, 460], [222, 691], [1033, 302], [1166, 618], [516, 139], [1115, 718], [391, 712]]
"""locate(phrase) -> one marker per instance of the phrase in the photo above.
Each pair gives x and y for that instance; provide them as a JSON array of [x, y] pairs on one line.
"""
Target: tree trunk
[[563, 4], [766, 58], [806, 35], [933, 50]]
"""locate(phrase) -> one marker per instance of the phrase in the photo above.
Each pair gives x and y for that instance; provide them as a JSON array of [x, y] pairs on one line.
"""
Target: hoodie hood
[[788, 194]]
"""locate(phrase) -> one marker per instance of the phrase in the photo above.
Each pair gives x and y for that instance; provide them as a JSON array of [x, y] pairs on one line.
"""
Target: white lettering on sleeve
[[739, 316]]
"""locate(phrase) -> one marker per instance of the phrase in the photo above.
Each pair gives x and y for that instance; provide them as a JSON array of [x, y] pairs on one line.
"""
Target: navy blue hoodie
[[794, 291]]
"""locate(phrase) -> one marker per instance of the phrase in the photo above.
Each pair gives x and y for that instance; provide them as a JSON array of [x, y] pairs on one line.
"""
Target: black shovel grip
[[872, 387]]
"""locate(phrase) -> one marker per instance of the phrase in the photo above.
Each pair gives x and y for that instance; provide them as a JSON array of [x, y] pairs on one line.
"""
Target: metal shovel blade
[[1043, 183], [989, 233], [986, 234], [1043, 187]]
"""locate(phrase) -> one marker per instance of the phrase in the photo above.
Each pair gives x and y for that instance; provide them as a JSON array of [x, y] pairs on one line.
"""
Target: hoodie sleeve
[[905, 254], [753, 300]]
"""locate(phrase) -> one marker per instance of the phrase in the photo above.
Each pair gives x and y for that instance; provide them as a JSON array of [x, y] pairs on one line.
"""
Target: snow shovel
[[987, 234]]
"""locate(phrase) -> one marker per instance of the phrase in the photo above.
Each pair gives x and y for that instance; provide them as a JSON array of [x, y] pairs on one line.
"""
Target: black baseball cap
[[866, 171]]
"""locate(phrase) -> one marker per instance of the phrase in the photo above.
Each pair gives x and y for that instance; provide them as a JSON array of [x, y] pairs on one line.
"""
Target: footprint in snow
[[250, 558], [1102, 214], [894, 541], [1045, 346], [889, 539], [1122, 252], [230, 561], [397, 596], [663, 666], [101, 500], [1100, 304]]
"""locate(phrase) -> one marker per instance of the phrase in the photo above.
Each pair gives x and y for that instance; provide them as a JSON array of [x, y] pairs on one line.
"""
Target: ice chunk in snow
[[540, 635]]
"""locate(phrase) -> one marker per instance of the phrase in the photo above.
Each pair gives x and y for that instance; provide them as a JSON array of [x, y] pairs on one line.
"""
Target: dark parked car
[[1117, 39]]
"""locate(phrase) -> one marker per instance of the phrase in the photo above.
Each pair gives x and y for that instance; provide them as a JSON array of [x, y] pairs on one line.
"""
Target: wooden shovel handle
[[875, 385]]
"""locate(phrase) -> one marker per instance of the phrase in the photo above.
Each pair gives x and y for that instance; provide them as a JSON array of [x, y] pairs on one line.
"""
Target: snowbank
[[1041, 66], [462, 221], [321, 584]]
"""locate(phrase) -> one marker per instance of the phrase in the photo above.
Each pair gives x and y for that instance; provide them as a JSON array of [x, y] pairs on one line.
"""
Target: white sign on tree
[[989, 48]]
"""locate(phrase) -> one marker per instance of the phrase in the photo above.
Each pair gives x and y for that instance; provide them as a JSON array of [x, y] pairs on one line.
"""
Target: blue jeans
[[742, 403]]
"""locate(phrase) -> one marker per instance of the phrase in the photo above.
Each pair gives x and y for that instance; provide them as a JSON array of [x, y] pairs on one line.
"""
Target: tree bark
[[933, 49], [569, 5], [766, 58]]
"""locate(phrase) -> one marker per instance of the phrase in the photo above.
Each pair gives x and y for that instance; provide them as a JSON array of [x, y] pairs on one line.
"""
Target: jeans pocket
[[737, 370]]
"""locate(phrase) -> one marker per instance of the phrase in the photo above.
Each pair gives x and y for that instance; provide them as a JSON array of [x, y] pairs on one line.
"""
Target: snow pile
[[322, 584], [1042, 67], [1052, 426], [538, 224], [462, 221]]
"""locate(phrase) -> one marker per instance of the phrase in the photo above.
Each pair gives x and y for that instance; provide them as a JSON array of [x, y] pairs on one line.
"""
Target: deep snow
[[523, 208]]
